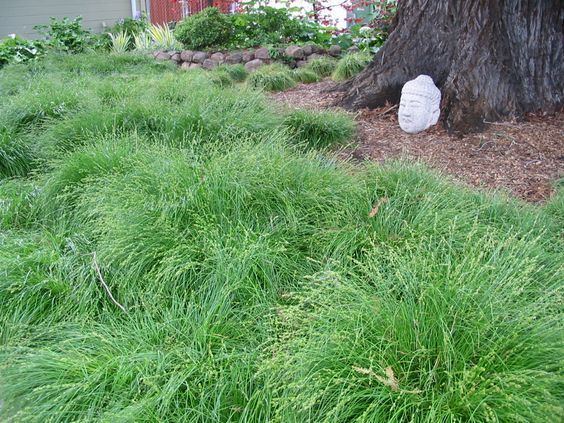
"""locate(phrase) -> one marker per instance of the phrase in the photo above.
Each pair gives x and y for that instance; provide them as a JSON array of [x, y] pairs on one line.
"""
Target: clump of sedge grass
[[351, 65], [274, 77], [305, 76], [322, 66], [237, 73], [320, 129]]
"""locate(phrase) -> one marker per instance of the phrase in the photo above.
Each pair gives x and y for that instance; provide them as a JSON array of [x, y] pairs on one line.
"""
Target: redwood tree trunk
[[490, 58]]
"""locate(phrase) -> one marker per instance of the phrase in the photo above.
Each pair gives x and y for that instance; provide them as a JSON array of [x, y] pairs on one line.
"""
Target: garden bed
[[525, 158]]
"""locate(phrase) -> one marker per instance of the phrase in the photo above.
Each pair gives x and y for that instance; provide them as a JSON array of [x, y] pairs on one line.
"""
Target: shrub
[[323, 66], [162, 37], [67, 35], [306, 76], [351, 65], [320, 129], [18, 50], [274, 77], [205, 29]]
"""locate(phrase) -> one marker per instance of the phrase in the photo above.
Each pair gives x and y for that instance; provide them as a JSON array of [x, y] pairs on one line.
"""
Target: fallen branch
[[104, 285]]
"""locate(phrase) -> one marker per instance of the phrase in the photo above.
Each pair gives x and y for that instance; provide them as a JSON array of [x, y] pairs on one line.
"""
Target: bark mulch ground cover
[[525, 158]]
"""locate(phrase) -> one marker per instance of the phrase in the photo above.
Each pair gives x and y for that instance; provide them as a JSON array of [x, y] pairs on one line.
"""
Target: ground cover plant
[[351, 65], [168, 253]]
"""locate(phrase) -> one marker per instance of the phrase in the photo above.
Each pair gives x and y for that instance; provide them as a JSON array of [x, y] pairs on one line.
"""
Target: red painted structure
[[165, 11]]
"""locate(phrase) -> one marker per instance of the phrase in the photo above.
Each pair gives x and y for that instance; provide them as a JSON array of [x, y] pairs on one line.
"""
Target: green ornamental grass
[[351, 65], [274, 77], [168, 254], [322, 66], [305, 76]]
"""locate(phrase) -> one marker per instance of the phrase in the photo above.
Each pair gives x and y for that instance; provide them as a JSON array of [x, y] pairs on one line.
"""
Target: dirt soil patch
[[524, 157]]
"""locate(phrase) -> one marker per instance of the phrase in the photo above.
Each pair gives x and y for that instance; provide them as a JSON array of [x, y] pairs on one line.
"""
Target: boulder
[[209, 64], [200, 56], [234, 58], [335, 50], [295, 51], [248, 56], [301, 63], [262, 53], [309, 49], [187, 55], [195, 66], [253, 65], [176, 58], [162, 55], [353, 49], [218, 57], [185, 65]]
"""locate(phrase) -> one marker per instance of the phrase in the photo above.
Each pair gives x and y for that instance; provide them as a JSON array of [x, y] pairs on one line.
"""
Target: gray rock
[[218, 57], [176, 58], [262, 53], [162, 55], [234, 58], [248, 56], [253, 65], [335, 50], [353, 49], [309, 49], [295, 51], [301, 63], [209, 64], [187, 55], [195, 65], [200, 56], [318, 49], [186, 65]]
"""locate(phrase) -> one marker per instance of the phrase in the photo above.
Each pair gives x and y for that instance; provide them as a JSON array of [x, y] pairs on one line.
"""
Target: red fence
[[165, 11]]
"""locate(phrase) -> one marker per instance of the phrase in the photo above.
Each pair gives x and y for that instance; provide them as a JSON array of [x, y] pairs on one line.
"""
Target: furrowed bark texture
[[490, 58]]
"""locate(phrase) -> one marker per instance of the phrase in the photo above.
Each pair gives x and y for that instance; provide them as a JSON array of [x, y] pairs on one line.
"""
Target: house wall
[[20, 16]]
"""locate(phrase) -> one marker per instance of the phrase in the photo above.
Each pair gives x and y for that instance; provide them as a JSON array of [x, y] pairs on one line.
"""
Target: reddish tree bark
[[490, 58]]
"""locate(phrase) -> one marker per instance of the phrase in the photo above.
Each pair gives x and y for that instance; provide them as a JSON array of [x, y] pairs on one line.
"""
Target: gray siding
[[20, 16]]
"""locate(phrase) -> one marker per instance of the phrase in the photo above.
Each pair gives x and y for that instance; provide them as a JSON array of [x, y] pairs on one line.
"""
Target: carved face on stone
[[419, 105]]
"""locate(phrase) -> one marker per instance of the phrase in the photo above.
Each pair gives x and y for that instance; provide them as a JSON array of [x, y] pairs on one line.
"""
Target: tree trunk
[[490, 58]]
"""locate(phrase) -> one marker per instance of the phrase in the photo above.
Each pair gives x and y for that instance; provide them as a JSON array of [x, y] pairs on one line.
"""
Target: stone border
[[294, 56]]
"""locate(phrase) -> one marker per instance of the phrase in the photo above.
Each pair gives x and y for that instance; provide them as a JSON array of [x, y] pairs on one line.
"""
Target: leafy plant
[[143, 41], [18, 50], [162, 37], [350, 65], [120, 42], [66, 34], [207, 28]]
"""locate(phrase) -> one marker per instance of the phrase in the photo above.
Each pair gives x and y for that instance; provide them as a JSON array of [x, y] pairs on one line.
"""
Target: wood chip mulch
[[524, 158]]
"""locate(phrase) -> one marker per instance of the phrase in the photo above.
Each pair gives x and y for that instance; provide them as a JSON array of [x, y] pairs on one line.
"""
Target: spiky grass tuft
[[323, 66], [351, 65], [320, 129], [305, 76], [272, 78]]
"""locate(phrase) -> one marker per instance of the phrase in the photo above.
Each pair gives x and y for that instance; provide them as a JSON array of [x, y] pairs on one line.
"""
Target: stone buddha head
[[419, 105]]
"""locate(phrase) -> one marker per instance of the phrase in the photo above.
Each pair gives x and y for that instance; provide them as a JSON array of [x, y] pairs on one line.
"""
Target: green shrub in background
[[274, 77], [67, 34], [209, 28], [351, 65], [18, 50]]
